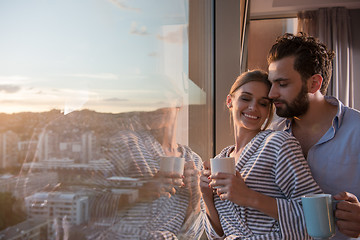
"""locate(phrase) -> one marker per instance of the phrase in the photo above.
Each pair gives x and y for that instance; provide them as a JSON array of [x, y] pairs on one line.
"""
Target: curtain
[[332, 26]]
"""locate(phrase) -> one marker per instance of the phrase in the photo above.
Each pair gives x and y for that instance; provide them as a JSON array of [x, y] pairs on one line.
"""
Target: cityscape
[[115, 57], [55, 168]]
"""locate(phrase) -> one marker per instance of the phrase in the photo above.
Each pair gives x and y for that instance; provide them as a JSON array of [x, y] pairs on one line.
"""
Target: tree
[[10, 211]]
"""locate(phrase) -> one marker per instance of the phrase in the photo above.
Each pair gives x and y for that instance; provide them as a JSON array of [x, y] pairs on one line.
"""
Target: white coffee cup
[[223, 165], [172, 164]]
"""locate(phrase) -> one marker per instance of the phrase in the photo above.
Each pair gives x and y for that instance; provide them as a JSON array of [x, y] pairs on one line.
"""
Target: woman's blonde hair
[[256, 75]]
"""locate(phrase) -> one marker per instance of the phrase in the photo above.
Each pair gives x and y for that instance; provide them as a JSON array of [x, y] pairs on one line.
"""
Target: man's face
[[288, 91]]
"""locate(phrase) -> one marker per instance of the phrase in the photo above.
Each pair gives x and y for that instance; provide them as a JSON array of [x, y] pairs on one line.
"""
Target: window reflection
[[93, 94]]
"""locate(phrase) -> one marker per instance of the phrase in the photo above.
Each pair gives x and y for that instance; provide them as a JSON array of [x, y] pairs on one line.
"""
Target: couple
[[263, 200]]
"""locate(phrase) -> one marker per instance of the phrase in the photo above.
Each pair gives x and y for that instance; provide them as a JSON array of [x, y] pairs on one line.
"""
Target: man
[[329, 132]]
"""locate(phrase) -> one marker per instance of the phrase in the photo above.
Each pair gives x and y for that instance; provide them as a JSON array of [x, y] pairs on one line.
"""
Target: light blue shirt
[[335, 159]]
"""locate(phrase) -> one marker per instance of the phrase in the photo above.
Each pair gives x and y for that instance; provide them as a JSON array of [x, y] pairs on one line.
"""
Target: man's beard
[[297, 107]]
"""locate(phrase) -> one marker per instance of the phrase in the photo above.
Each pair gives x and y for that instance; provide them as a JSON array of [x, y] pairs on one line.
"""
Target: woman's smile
[[250, 116]]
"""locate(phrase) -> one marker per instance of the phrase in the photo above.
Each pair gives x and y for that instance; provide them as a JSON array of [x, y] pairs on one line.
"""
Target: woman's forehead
[[254, 87]]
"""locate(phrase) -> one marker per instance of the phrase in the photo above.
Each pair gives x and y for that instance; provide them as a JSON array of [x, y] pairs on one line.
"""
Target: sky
[[104, 55]]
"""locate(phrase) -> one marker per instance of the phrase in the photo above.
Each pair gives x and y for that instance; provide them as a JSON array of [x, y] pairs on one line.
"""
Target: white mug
[[172, 164], [223, 165]]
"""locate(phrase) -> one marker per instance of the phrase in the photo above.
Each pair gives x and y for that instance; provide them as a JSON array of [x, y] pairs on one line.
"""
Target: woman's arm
[[208, 198], [292, 177], [234, 189]]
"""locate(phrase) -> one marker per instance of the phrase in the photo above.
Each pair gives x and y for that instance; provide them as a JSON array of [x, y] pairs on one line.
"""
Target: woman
[[165, 208], [262, 201]]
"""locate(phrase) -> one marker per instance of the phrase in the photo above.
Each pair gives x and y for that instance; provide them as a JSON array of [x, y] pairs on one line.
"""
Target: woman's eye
[[264, 104], [245, 99]]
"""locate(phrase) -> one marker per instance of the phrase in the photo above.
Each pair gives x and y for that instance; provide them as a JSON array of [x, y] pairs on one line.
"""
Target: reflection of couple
[[167, 206]]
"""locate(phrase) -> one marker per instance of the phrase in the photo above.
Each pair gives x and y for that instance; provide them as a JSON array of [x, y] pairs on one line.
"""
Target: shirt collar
[[340, 112], [337, 119]]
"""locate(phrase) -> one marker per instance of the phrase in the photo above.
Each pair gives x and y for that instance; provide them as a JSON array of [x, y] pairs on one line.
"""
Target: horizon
[[111, 58]]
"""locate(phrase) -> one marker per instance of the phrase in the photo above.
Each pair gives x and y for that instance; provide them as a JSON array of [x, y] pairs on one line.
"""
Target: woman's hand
[[207, 194], [169, 180], [162, 184], [206, 190], [231, 187], [191, 181], [191, 175]]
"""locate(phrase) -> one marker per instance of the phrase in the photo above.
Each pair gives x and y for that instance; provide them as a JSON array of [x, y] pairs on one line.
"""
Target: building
[[82, 150], [48, 142], [88, 144], [30, 230], [8, 149], [28, 150], [58, 205]]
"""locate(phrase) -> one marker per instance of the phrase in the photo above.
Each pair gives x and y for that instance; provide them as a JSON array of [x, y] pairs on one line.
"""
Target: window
[[262, 35], [82, 81]]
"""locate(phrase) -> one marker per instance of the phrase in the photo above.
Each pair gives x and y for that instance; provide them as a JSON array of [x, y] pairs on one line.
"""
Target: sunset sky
[[104, 55]]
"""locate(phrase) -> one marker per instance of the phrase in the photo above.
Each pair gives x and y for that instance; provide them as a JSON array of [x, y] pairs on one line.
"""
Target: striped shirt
[[272, 163], [137, 155]]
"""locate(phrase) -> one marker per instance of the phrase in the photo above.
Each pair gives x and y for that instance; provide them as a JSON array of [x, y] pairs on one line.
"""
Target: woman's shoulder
[[272, 136], [225, 152], [278, 133], [189, 154], [131, 137]]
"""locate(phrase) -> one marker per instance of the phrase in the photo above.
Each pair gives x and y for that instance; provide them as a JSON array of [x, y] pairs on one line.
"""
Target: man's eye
[[282, 84]]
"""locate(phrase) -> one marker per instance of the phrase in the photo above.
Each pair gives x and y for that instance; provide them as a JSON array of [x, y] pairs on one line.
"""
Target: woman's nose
[[252, 106]]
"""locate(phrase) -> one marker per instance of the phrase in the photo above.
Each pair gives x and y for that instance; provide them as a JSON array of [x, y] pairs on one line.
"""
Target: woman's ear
[[229, 101], [314, 83]]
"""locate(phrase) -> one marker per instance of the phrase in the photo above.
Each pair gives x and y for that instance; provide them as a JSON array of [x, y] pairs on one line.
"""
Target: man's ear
[[314, 83], [228, 101]]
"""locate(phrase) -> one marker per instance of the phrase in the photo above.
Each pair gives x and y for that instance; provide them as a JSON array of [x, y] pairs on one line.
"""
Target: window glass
[[97, 105], [262, 35]]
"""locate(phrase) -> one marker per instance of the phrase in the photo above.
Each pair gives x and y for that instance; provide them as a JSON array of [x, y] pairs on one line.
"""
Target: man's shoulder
[[344, 112], [350, 119], [352, 112]]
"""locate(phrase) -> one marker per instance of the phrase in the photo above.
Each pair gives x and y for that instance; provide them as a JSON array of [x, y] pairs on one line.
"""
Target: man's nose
[[274, 93]]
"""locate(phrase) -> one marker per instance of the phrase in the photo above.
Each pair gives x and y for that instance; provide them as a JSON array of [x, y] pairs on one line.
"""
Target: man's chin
[[282, 114], [279, 111]]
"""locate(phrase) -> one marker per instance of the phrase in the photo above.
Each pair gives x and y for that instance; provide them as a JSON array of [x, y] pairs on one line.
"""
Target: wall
[[227, 62]]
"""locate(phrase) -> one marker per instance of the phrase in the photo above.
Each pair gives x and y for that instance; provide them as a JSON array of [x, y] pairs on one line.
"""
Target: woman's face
[[250, 105], [161, 118]]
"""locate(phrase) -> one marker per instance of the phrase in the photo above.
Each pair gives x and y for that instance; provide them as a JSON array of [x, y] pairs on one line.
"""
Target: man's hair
[[311, 56]]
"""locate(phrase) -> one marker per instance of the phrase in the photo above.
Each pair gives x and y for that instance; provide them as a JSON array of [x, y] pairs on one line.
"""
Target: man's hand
[[348, 214]]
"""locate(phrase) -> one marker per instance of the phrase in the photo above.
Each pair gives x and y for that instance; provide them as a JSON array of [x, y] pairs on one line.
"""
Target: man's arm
[[348, 214]]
